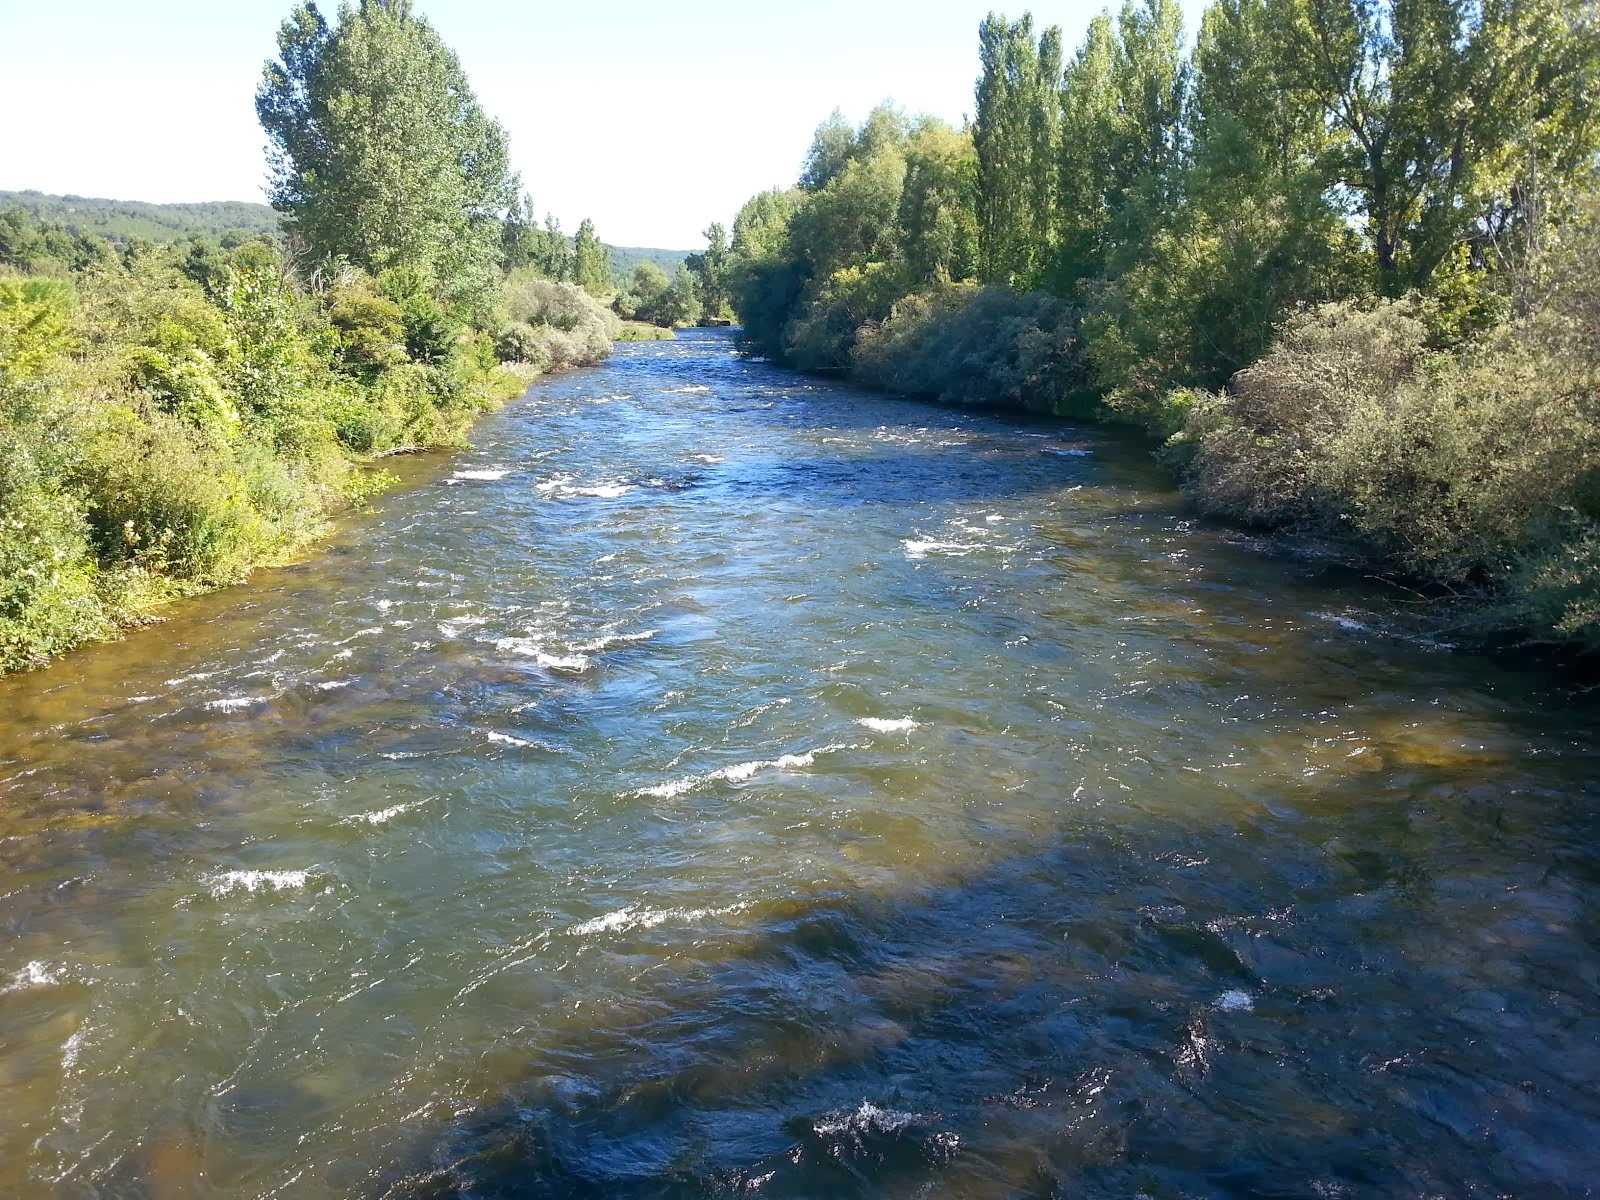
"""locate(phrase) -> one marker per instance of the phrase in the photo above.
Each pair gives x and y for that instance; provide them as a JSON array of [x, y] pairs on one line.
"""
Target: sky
[[654, 120]]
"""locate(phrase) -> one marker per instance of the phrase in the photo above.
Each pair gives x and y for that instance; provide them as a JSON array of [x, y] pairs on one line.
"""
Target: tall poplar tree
[[380, 153], [1015, 134], [1455, 115]]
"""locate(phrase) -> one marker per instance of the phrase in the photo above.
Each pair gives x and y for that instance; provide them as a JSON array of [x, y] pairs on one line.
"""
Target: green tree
[[1015, 135], [680, 304], [1121, 134], [766, 275], [643, 298], [591, 261], [1233, 239], [831, 148], [380, 153], [1460, 122], [938, 206], [854, 218], [712, 269]]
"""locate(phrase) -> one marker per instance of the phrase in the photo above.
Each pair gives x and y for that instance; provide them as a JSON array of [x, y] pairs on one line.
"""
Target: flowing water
[[720, 783]]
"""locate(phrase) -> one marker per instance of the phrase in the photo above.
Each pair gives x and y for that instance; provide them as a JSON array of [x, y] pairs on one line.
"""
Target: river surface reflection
[[723, 783]]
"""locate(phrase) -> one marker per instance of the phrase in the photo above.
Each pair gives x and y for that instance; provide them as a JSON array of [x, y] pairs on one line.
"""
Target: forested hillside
[[123, 220], [228, 221], [1338, 258]]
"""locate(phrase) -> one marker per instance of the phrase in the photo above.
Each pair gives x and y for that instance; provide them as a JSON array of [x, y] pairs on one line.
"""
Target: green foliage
[[938, 207], [172, 419], [680, 304], [548, 324], [711, 270], [35, 327], [527, 244], [1015, 135], [890, 208], [1260, 451], [641, 300], [381, 155], [823, 336], [641, 331], [371, 329], [1477, 469], [1336, 258], [1455, 122], [626, 259], [988, 347], [591, 262], [92, 220]]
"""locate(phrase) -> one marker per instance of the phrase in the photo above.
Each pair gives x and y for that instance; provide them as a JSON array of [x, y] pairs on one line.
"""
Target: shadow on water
[[1211, 1038]]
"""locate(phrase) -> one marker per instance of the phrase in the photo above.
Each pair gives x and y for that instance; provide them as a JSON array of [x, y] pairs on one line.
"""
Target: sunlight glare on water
[[723, 783]]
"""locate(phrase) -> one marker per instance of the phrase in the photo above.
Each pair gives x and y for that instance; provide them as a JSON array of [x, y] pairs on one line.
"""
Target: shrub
[[966, 345], [35, 326], [823, 337], [371, 331], [48, 601], [550, 325], [1260, 452], [520, 342], [1478, 469]]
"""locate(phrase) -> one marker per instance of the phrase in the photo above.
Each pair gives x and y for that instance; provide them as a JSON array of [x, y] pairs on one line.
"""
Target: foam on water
[[36, 974], [615, 639], [256, 881], [737, 773], [1236, 1002], [604, 491], [454, 627], [230, 704], [1344, 622], [921, 549], [487, 476], [505, 739], [194, 678], [383, 816], [869, 1118], [532, 648], [574, 664], [632, 917], [70, 1051], [884, 725]]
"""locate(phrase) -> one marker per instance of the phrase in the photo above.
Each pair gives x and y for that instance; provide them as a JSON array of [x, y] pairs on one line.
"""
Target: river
[[724, 783]]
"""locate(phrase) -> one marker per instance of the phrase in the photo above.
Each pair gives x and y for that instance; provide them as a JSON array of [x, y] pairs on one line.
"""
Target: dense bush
[[546, 324], [966, 345], [1476, 469], [1262, 452], [172, 417]]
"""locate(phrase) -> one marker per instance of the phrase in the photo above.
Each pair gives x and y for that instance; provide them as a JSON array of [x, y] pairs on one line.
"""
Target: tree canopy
[[380, 153]]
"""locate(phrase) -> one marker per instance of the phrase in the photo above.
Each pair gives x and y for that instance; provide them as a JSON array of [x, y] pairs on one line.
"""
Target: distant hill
[[120, 220], [625, 258]]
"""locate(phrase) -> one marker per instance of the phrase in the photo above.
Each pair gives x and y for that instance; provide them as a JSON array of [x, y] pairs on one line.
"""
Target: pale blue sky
[[653, 119]]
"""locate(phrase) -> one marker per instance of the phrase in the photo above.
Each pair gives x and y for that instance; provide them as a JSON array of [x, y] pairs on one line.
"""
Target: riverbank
[[173, 418], [1464, 475]]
